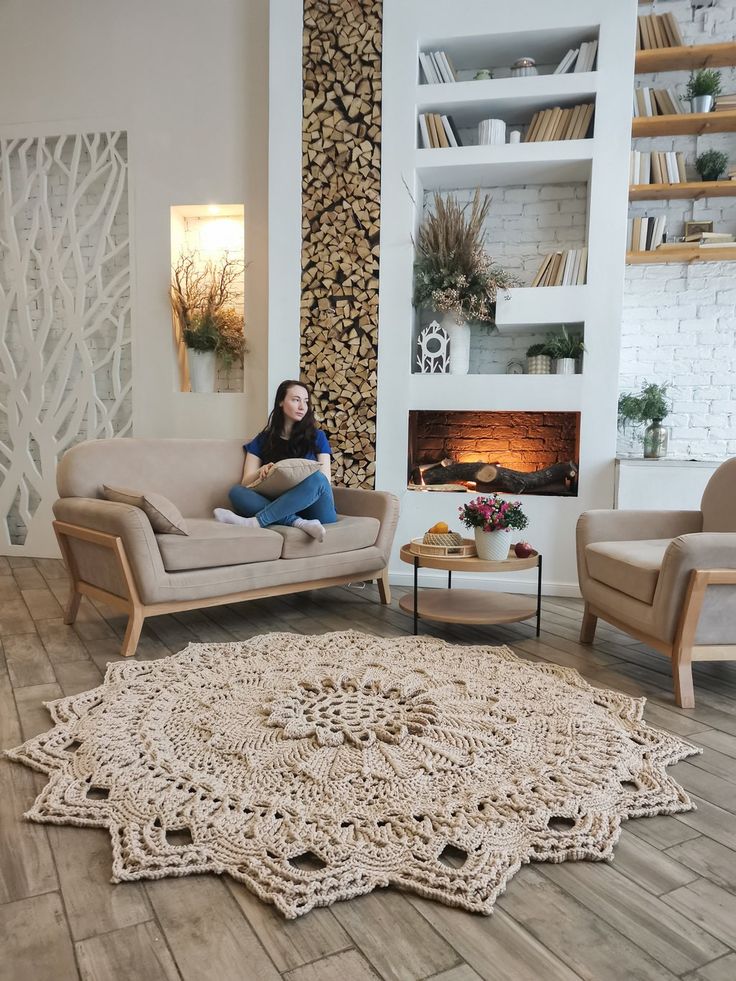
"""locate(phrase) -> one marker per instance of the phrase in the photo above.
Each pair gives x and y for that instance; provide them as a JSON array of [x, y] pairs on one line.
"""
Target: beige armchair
[[667, 578]]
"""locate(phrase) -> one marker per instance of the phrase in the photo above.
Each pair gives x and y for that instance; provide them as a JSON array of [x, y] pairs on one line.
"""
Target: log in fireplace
[[510, 452]]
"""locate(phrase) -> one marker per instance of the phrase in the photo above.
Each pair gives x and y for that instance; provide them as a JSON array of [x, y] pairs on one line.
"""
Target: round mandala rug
[[317, 768]]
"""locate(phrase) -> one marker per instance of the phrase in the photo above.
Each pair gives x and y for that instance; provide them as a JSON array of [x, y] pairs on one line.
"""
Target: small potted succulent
[[702, 88], [565, 349], [491, 519], [651, 406], [711, 164], [538, 362]]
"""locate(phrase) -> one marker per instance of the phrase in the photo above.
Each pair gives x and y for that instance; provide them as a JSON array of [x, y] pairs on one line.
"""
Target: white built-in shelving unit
[[478, 35]]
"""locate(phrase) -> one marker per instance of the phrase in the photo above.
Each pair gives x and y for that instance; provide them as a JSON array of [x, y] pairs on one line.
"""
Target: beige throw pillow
[[284, 475], [165, 517]]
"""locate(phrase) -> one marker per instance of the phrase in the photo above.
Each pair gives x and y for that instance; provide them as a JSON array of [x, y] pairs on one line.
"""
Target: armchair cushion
[[344, 535], [630, 567], [211, 543]]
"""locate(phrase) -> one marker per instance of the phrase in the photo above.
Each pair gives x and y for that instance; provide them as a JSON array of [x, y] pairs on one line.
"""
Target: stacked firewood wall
[[341, 144]]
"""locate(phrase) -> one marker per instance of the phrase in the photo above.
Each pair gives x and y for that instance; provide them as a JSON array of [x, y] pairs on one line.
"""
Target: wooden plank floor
[[664, 909]]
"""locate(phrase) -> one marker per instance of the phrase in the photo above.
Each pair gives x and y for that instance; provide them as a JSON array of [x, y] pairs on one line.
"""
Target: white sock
[[231, 518], [313, 528]]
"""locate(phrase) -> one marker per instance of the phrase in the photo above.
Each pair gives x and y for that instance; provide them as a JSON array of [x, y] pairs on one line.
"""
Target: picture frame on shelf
[[697, 228]]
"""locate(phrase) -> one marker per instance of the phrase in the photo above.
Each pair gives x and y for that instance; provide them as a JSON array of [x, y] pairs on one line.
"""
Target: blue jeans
[[311, 499]]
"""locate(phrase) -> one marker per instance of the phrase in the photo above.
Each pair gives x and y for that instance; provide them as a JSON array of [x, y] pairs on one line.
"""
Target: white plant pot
[[539, 364], [459, 335], [702, 103], [492, 546], [565, 366], [202, 370]]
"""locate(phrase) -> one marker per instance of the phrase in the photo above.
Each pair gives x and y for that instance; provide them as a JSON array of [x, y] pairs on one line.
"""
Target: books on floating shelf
[[560, 124], [724, 103], [657, 31], [437, 67], [657, 102], [646, 233], [711, 239], [565, 268], [580, 59], [657, 167], [437, 130]]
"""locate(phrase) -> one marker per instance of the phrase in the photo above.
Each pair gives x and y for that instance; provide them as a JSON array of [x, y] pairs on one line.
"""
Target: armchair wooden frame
[[683, 650], [137, 610]]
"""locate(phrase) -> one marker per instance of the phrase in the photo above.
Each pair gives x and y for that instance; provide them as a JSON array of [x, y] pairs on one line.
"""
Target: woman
[[290, 432]]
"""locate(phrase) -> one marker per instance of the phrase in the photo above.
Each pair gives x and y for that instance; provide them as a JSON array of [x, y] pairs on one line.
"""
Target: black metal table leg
[[539, 593], [449, 578], [416, 591]]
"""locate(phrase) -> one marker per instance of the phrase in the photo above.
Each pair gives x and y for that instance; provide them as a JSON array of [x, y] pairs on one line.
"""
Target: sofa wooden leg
[[72, 605], [587, 630], [682, 673], [132, 632], [384, 590]]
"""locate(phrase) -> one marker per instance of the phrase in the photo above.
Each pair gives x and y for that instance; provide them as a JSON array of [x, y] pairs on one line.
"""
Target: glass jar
[[523, 66], [656, 437]]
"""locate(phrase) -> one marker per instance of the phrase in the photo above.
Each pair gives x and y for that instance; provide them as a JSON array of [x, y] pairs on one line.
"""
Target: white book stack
[[491, 131], [586, 56]]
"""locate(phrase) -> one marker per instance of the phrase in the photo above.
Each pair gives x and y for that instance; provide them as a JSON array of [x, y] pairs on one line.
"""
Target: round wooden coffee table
[[470, 605]]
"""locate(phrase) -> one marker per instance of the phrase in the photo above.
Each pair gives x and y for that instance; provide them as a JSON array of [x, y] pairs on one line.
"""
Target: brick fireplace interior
[[514, 452]]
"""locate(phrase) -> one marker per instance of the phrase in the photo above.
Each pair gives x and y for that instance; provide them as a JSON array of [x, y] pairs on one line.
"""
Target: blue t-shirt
[[256, 447]]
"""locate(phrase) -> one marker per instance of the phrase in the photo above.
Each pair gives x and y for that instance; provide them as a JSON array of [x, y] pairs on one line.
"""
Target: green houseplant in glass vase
[[202, 301], [492, 519], [649, 406], [454, 275]]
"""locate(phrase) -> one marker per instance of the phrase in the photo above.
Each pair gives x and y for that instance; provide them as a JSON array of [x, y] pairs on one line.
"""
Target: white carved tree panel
[[65, 346]]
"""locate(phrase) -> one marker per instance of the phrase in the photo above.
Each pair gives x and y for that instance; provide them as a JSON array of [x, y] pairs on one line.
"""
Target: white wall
[[186, 80], [679, 323]]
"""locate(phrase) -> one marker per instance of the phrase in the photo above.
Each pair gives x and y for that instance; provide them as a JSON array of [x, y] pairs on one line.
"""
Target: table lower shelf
[[470, 606]]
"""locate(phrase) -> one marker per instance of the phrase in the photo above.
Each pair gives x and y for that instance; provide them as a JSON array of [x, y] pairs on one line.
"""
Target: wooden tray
[[466, 550]]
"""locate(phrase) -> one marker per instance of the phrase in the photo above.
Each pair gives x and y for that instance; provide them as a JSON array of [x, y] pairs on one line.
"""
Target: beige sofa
[[666, 577], [113, 554]]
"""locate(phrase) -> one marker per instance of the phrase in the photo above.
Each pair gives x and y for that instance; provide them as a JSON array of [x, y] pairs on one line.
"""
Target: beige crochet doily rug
[[317, 768]]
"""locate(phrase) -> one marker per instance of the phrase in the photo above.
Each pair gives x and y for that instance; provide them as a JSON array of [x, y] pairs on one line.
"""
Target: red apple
[[523, 550]]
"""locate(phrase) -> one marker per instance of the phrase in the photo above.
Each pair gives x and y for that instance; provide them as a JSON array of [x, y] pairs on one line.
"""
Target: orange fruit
[[441, 528]]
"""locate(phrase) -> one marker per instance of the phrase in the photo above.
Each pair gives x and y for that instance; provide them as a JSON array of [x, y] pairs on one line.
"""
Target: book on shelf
[[647, 233], [657, 31], [567, 63], [557, 123], [586, 56], [437, 131], [710, 238], [437, 67], [657, 167], [656, 102], [724, 103], [567, 267]]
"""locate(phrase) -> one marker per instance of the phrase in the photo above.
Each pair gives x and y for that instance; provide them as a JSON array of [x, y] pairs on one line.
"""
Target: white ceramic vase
[[202, 370], [492, 546], [459, 335]]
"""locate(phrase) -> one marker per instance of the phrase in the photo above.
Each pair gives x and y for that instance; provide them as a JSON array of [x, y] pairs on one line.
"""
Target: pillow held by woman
[[282, 477]]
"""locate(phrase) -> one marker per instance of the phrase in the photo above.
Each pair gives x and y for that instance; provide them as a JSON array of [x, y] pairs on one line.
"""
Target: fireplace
[[509, 452]]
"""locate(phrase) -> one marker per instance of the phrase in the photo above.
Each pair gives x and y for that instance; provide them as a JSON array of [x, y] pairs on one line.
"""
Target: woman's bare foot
[[231, 518], [315, 529]]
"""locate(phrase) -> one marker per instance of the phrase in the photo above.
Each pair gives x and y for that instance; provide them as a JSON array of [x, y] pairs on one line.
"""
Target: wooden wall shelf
[[688, 253], [689, 189], [694, 123], [687, 57]]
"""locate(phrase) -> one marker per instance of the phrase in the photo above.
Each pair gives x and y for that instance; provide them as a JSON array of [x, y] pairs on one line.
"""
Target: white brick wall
[[679, 323]]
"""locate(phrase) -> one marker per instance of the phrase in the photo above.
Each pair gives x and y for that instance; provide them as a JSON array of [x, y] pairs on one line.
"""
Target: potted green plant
[[711, 164], [565, 349], [492, 518], [202, 297], [651, 406], [702, 88], [538, 362], [454, 274]]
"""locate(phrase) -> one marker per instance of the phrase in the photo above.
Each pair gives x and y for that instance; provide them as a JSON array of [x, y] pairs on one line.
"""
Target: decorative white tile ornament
[[65, 358], [433, 357]]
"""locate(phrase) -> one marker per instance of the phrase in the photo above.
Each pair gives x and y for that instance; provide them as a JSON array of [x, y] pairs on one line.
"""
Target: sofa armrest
[[371, 504], [96, 564]]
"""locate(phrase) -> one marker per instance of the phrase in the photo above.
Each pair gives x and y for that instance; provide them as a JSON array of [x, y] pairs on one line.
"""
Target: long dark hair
[[303, 436]]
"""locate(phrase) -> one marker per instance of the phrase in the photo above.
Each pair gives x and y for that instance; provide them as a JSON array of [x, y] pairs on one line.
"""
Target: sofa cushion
[[282, 477], [211, 543], [165, 517], [344, 535], [630, 567]]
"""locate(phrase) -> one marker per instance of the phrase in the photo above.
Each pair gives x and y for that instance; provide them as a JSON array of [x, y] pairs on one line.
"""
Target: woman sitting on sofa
[[290, 432]]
